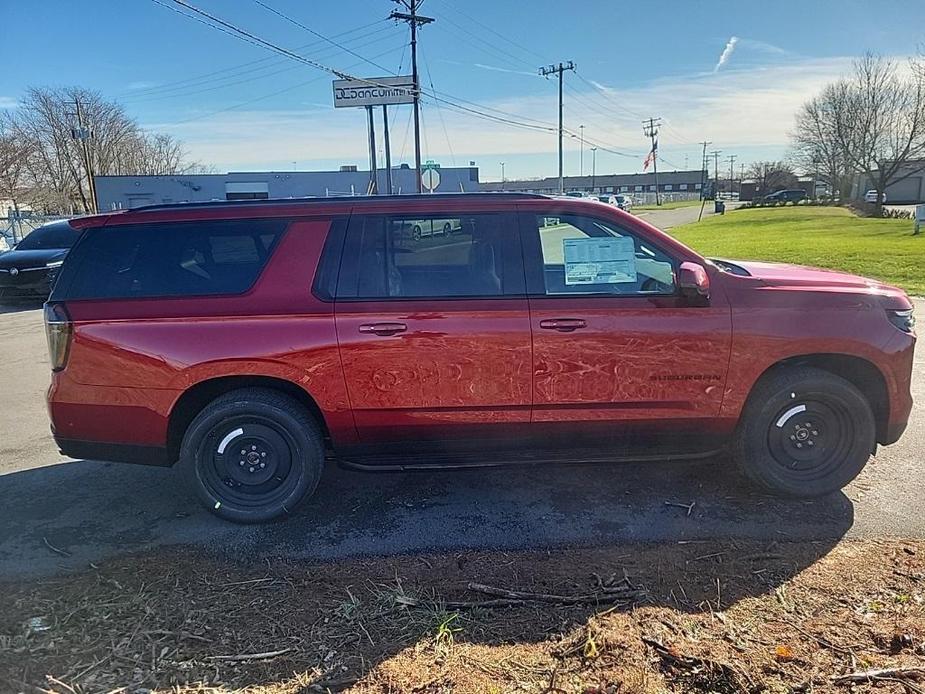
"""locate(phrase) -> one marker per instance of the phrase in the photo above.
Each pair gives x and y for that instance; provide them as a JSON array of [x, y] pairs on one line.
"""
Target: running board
[[392, 463]]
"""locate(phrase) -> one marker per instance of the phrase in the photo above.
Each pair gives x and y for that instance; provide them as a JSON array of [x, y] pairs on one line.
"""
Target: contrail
[[727, 52]]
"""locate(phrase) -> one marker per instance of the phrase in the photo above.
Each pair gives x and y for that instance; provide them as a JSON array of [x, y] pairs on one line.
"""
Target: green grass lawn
[[671, 205], [829, 237]]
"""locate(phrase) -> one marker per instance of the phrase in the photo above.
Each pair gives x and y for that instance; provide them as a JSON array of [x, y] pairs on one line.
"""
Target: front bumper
[[30, 283]]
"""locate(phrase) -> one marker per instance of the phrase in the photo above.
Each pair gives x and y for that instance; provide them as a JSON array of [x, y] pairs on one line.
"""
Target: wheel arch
[[199, 395], [860, 372]]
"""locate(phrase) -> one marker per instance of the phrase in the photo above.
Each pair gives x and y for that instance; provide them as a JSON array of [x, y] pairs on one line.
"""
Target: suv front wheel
[[804, 432], [252, 455]]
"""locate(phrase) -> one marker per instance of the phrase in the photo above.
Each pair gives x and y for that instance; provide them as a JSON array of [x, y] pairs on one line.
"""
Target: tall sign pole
[[388, 149], [414, 20], [373, 174], [559, 70]]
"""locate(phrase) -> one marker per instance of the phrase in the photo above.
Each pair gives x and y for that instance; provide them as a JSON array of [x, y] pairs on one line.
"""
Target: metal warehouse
[[126, 192]]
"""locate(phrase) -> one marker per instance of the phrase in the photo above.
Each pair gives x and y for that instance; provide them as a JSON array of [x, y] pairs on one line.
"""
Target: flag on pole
[[650, 157]]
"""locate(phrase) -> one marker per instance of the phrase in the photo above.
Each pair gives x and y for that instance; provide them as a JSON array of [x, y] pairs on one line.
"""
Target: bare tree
[[817, 148], [15, 153], [771, 176], [60, 165], [878, 114]]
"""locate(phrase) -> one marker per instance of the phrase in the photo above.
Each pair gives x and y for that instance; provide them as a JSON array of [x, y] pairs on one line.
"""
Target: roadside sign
[[430, 164], [430, 179], [373, 91]]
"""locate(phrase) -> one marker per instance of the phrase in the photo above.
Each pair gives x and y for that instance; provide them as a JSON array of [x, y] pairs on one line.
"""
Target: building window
[[652, 188], [697, 186], [682, 186], [637, 188], [667, 186], [624, 189]]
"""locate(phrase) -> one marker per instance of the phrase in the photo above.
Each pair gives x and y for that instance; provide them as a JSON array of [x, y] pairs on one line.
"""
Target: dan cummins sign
[[373, 91]]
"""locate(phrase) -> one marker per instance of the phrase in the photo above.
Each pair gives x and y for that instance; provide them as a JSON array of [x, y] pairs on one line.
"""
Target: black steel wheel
[[804, 432], [252, 455]]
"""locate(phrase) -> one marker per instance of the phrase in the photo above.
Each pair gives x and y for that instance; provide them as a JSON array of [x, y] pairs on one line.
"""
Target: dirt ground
[[692, 617]]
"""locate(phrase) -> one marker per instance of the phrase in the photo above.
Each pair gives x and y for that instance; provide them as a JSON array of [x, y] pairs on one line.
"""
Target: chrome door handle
[[383, 328], [563, 325]]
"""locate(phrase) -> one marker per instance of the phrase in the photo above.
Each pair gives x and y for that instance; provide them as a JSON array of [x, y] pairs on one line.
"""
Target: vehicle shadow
[[20, 306], [94, 511], [393, 553]]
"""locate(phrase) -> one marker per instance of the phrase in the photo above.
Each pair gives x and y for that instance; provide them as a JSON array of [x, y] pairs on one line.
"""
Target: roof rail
[[345, 199]]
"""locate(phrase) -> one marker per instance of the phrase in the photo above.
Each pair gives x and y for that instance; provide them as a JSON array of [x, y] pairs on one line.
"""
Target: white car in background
[[871, 196]]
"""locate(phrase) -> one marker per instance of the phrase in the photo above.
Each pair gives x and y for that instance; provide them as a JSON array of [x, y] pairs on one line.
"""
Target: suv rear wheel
[[252, 455], [804, 432]]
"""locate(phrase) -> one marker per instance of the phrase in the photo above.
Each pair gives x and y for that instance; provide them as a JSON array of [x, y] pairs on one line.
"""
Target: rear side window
[[185, 259], [446, 256]]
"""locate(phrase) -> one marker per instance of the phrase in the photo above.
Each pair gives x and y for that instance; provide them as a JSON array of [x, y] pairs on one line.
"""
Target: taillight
[[58, 330]]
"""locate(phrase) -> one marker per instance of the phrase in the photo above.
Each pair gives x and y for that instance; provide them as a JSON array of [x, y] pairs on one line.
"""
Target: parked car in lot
[[624, 202], [786, 196], [28, 270], [871, 197], [421, 228], [250, 341]]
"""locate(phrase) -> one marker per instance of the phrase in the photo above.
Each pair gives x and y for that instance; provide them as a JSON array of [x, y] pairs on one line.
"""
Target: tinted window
[[585, 255], [171, 259], [57, 235], [446, 256]]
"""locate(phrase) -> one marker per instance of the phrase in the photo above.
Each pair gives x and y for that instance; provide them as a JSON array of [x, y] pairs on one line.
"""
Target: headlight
[[55, 263], [902, 319]]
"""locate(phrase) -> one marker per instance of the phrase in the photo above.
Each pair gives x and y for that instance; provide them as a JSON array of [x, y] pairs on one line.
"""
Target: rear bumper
[[114, 452]]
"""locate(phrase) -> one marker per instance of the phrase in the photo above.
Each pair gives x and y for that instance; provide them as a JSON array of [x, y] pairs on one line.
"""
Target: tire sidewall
[[307, 458], [752, 449]]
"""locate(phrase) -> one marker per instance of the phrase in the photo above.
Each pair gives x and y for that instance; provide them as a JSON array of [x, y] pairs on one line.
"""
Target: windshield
[[49, 236]]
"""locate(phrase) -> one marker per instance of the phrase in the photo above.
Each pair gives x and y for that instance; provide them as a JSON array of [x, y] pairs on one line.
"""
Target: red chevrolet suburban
[[249, 341]]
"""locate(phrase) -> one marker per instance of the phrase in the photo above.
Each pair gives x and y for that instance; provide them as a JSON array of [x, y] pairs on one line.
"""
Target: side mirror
[[694, 281]]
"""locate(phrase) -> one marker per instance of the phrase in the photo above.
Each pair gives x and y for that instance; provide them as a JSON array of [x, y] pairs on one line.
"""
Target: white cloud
[[8, 102], [745, 111], [141, 84], [727, 52]]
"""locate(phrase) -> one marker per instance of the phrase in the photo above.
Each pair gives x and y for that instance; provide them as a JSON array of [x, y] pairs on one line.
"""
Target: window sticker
[[609, 260]]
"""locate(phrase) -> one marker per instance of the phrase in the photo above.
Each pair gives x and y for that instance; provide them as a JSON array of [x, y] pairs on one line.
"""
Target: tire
[[804, 432], [283, 454], [447, 229], [416, 232]]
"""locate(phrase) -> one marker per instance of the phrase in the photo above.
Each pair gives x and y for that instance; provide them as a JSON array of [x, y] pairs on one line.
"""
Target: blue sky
[[634, 60]]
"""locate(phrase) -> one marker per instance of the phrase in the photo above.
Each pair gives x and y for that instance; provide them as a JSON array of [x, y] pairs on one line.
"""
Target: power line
[[204, 77], [319, 35]]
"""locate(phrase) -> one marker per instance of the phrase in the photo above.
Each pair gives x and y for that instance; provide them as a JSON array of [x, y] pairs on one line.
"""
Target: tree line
[[871, 123], [45, 165]]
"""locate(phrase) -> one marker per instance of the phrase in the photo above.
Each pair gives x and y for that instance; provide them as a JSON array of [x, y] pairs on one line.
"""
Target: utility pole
[[593, 166], [716, 153], [502, 175], [414, 20], [650, 128], [559, 70], [732, 171], [84, 134], [703, 167]]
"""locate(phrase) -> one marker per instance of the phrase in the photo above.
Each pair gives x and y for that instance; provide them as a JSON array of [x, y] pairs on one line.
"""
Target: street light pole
[[502, 175], [581, 152], [593, 166]]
